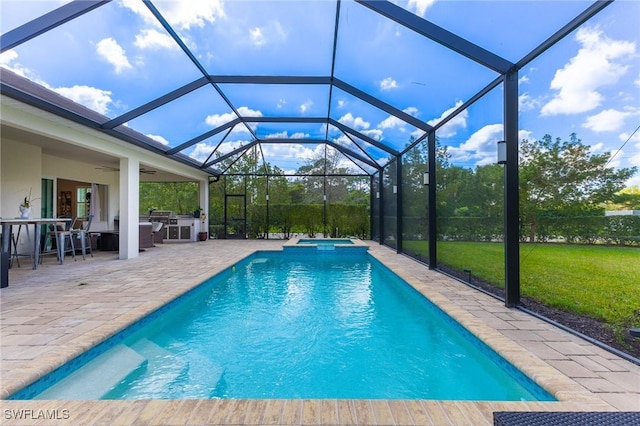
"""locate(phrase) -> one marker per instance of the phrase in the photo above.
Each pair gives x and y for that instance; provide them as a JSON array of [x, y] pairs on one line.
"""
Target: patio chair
[[64, 239], [156, 229], [83, 236], [48, 243]]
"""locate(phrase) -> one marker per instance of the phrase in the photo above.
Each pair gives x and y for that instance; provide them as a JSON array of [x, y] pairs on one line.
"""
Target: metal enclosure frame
[[508, 78]]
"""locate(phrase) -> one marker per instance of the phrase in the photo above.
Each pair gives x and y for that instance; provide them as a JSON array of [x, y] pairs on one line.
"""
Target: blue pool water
[[277, 325]]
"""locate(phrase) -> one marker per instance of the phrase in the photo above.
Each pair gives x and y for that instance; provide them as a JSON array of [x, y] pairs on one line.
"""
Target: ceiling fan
[[115, 169]]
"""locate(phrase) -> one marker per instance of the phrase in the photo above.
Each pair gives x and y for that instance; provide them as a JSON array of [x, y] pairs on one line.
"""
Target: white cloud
[[158, 138], [524, 79], [111, 51], [216, 120], [248, 112], [527, 103], [597, 64], [608, 120], [637, 81], [285, 135], [480, 148], [420, 6], [356, 123], [451, 128], [373, 134], [257, 38], [393, 121], [281, 103], [305, 106], [8, 61], [150, 39], [525, 134], [141, 10], [480, 140], [341, 103], [290, 151], [96, 99], [388, 84]]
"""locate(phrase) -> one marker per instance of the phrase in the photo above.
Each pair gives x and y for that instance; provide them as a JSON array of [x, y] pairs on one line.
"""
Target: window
[[83, 195]]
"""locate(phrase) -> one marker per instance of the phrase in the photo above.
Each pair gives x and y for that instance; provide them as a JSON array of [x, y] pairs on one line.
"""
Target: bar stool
[[62, 238], [49, 243], [14, 251], [83, 235]]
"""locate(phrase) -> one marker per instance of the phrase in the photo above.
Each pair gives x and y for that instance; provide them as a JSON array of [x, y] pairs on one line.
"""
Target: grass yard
[[601, 282]]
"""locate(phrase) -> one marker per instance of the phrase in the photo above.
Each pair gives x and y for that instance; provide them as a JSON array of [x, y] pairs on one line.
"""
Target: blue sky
[[118, 57]]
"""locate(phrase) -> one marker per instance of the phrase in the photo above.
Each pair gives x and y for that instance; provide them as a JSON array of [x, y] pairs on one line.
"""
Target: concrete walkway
[[57, 312]]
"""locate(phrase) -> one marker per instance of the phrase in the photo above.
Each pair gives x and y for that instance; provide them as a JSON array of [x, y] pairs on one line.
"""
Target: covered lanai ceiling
[[205, 81]]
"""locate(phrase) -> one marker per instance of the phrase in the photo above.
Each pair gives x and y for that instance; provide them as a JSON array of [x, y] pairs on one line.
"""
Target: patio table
[[7, 225]]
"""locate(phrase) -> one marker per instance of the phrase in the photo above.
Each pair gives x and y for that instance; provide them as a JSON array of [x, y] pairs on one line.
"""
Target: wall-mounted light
[[502, 152], [377, 194], [324, 197], [395, 189], [425, 178]]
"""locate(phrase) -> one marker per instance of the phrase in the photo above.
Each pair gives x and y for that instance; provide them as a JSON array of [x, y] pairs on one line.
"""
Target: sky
[[118, 57]]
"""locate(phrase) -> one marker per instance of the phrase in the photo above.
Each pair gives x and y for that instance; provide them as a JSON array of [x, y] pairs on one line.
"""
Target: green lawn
[[601, 282]]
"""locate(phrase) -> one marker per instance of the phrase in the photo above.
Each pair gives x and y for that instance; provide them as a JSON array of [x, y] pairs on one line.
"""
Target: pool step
[[206, 373], [96, 378], [163, 367]]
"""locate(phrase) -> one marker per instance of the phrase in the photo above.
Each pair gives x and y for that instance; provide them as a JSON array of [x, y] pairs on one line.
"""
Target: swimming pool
[[293, 326]]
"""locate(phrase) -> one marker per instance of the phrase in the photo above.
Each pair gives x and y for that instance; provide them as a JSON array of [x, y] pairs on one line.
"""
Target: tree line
[[564, 191]]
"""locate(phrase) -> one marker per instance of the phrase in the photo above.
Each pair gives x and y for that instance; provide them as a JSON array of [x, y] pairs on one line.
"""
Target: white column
[[129, 207], [204, 203]]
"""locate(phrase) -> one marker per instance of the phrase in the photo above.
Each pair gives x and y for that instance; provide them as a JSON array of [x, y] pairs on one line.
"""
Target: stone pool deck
[[57, 312]]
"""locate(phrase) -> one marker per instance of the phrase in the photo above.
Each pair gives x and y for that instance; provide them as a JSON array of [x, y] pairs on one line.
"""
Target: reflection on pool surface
[[278, 325]]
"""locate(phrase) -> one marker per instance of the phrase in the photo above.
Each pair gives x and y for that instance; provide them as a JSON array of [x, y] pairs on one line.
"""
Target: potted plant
[[25, 206], [203, 235]]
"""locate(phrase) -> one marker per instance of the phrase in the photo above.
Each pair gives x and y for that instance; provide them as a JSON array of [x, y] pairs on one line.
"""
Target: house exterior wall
[[23, 165]]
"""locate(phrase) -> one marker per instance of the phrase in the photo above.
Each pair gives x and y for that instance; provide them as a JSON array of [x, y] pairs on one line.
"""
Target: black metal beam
[[381, 105], [366, 175], [511, 193], [322, 141], [204, 136], [363, 137], [431, 206], [486, 89], [268, 79], [334, 50], [284, 119], [349, 153], [439, 35], [380, 192], [234, 152], [149, 106], [589, 13], [399, 206], [156, 13], [46, 22]]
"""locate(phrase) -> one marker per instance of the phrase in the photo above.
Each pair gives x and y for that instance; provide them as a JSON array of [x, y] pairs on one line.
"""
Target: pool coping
[[583, 378]]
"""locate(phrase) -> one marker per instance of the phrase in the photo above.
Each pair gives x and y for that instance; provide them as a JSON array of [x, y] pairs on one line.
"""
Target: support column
[[372, 196], [203, 196], [129, 208], [431, 206], [511, 193], [399, 210], [381, 204]]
